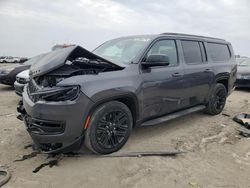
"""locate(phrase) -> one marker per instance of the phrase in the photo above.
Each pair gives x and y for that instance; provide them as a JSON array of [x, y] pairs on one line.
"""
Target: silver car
[[21, 79]]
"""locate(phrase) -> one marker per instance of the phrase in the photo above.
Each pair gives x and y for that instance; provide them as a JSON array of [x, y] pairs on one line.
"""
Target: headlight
[[56, 94]]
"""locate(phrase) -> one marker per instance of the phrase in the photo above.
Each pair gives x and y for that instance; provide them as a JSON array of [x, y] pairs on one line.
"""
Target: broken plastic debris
[[244, 132], [243, 119]]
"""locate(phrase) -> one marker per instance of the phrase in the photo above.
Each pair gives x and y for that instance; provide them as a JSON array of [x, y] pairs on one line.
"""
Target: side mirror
[[156, 60]]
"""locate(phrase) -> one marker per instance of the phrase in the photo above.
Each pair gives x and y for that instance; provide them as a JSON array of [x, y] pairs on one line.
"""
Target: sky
[[32, 27]]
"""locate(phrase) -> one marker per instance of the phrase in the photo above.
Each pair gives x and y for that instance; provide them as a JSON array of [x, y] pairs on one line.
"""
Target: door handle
[[207, 70], [177, 74]]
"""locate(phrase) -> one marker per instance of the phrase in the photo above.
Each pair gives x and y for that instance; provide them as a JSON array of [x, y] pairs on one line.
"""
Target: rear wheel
[[217, 100], [109, 128]]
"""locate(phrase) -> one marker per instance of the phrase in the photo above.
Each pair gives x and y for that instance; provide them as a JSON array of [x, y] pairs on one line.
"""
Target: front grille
[[44, 127]]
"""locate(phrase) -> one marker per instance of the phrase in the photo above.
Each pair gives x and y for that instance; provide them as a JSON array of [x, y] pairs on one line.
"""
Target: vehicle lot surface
[[216, 156]]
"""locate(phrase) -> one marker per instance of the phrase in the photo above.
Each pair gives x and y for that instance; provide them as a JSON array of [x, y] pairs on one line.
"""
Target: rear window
[[193, 51], [219, 52]]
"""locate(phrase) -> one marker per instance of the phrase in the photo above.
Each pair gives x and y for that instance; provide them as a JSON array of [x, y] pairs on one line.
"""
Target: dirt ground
[[216, 156]]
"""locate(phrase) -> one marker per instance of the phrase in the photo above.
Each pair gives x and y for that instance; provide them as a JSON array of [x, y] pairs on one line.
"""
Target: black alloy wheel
[[109, 128], [112, 129], [217, 100], [220, 99]]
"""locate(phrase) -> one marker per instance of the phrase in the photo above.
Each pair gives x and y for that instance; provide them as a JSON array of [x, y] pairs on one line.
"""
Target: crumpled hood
[[58, 58]]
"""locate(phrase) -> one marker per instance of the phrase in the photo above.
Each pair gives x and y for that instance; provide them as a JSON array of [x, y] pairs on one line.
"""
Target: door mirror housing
[[156, 60]]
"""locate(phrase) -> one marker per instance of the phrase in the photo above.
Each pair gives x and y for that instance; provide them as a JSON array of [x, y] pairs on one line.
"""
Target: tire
[[217, 100], [109, 128]]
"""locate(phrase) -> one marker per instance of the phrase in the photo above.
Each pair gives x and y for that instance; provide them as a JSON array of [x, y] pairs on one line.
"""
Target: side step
[[173, 115]]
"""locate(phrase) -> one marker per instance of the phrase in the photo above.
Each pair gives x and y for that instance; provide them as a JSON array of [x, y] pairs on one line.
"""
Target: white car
[[21, 79], [9, 60]]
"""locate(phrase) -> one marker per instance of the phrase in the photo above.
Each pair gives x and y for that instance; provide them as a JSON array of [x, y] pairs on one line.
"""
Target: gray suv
[[75, 96]]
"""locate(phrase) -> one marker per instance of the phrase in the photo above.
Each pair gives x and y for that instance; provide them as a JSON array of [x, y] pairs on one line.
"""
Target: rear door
[[223, 61], [163, 85], [198, 74]]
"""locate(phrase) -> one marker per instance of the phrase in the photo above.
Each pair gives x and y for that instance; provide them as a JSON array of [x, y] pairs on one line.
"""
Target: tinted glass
[[192, 52], [165, 47], [122, 50], [219, 52]]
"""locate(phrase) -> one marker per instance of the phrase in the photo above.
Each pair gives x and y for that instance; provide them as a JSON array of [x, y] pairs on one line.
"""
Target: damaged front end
[[51, 110], [69, 62]]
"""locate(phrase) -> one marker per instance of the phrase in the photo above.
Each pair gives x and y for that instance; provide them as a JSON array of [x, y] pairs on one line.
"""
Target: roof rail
[[189, 35]]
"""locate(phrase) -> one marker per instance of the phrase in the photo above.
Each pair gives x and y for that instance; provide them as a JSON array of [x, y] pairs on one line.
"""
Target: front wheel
[[217, 100], [109, 128]]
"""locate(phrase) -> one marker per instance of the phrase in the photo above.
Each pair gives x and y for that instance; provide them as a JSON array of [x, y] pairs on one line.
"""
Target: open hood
[[55, 59]]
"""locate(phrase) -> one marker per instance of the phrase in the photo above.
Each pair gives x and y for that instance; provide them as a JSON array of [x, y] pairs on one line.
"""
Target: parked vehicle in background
[[10, 59], [243, 73], [21, 79], [1, 58], [8, 73], [75, 96], [23, 59]]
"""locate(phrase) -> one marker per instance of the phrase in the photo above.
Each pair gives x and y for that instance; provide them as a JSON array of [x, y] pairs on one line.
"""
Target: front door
[[162, 85]]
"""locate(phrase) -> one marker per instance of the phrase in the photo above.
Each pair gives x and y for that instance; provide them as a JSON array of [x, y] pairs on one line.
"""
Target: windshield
[[246, 62], [122, 50]]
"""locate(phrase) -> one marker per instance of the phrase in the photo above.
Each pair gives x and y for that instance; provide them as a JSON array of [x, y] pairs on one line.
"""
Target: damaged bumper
[[55, 126], [55, 113]]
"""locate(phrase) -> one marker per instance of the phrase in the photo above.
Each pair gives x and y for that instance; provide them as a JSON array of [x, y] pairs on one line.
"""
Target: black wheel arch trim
[[132, 97], [224, 77]]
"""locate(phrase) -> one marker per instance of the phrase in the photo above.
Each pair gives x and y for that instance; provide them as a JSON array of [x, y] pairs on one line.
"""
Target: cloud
[[34, 26]]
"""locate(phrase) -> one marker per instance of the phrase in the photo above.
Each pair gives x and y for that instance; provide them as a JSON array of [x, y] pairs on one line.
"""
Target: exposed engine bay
[[54, 67], [78, 66]]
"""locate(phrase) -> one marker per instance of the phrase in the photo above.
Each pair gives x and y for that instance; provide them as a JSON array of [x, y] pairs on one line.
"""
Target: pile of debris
[[244, 120]]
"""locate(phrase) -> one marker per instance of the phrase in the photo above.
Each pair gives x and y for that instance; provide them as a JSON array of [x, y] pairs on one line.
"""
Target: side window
[[165, 47], [193, 51], [219, 52]]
